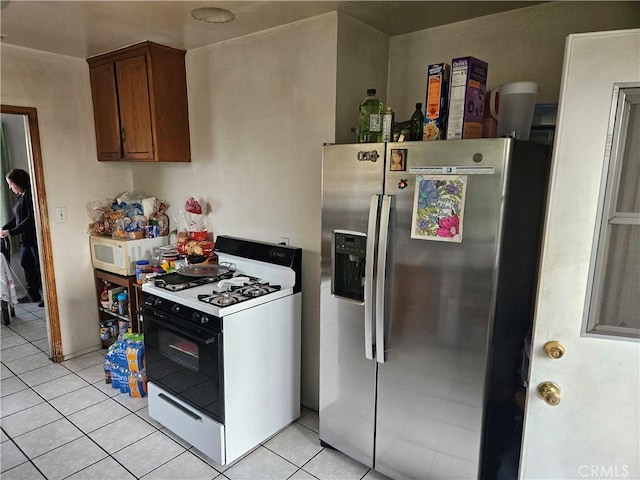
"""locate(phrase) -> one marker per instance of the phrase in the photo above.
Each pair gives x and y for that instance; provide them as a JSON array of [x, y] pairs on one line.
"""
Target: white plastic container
[[517, 104]]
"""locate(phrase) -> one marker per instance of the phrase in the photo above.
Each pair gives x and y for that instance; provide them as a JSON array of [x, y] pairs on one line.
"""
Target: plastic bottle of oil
[[370, 119]]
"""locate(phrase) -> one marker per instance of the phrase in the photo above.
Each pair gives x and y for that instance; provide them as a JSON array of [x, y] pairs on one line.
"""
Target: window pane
[[629, 193], [614, 308], [621, 285]]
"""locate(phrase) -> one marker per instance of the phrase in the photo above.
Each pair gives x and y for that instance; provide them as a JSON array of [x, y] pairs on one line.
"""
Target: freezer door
[[352, 183], [439, 299]]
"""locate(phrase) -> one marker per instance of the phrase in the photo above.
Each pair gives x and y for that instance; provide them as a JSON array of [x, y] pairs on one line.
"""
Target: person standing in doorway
[[23, 224]]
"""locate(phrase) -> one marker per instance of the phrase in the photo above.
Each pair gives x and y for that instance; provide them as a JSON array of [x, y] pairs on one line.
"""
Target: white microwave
[[119, 256]]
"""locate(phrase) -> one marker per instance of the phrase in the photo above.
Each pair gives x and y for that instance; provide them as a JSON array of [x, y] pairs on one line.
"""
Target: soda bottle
[[417, 121], [370, 119]]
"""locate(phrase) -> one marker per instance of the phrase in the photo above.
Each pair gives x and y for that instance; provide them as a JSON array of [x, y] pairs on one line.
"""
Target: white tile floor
[[61, 421]]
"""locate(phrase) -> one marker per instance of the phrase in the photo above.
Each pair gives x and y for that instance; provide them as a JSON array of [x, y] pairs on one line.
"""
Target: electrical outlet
[[61, 214], [284, 241]]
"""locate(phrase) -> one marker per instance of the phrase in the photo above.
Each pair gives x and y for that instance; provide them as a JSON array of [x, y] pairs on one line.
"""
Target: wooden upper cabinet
[[140, 104], [135, 109], [105, 107]]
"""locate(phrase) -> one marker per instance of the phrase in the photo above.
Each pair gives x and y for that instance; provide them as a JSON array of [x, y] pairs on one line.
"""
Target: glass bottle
[[370, 119], [387, 125], [417, 122]]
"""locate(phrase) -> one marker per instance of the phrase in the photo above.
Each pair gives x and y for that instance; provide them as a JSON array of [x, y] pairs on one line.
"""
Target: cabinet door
[[135, 108], [105, 110]]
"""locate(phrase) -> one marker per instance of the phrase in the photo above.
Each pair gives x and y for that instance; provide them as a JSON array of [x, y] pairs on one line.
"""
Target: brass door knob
[[554, 349], [550, 392]]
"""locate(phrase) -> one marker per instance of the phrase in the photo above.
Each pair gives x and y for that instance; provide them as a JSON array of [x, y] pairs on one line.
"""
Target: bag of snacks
[[192, 223], [159, 217]]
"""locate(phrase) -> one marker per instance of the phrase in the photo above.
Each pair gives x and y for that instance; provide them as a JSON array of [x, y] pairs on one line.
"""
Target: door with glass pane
[[582, 417]]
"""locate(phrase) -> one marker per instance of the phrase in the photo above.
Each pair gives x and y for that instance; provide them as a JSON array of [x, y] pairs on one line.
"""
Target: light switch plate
[[61, 214]]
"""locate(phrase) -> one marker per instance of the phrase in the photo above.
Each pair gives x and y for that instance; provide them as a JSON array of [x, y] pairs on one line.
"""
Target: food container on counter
[[142, 267]]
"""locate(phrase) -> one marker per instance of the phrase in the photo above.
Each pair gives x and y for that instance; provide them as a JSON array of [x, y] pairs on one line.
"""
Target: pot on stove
[[203, 270], [196, 258]]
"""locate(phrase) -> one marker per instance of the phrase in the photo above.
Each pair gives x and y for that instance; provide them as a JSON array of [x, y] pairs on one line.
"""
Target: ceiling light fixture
[[212, 15]]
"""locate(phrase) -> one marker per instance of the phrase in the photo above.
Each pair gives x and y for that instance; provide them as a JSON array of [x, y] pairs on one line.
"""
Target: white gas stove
[[222, 346]]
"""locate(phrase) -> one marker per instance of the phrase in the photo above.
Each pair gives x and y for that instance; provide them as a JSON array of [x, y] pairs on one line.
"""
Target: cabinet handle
[[122, 135]]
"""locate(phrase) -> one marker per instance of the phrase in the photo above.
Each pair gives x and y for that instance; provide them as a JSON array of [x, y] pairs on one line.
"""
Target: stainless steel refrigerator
[[429, 261]]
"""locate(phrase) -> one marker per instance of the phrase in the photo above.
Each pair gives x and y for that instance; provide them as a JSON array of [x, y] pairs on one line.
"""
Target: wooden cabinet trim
[[131, 51]]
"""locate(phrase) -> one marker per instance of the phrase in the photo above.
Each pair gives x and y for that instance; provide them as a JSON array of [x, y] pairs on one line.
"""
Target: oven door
[[185, 360]]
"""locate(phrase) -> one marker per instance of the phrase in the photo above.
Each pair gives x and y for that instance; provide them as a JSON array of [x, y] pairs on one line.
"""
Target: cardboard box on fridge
[[437, 103], [466, 98]]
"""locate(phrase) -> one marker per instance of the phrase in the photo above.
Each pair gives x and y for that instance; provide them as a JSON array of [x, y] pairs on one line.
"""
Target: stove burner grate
[[238, 293], [222, 299], [257, 289], [174, 282]]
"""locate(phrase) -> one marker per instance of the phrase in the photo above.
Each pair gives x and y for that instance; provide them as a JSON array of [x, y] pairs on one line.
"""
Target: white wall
[[58, 87], [260, 108], [525, 44]]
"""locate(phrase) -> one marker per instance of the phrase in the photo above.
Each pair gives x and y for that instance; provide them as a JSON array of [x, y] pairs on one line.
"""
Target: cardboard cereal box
[[435, 119], [466, 98]]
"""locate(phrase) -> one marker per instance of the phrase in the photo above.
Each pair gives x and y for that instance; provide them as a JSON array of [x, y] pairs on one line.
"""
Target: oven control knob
[[153, 302], [198, 317], [175, 308], [195, 317]]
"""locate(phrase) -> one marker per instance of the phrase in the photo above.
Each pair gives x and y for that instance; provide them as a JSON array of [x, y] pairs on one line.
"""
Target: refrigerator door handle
[[385, 214], [368, 276]]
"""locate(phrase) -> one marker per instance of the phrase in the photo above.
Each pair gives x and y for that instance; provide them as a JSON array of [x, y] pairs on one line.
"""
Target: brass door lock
[[554, 349], [550, 392]]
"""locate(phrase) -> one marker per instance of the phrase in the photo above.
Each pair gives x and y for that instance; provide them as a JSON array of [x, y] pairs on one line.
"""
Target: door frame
[[45, 250]]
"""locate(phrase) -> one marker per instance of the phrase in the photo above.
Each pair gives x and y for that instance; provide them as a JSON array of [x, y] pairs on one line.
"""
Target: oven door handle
[[162, 321]]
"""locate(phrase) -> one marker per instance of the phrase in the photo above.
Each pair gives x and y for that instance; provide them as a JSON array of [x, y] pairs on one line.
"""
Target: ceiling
[[86, 28]]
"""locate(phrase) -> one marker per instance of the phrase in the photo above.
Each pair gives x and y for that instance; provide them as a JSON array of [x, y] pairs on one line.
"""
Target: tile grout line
[[29, 460]]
